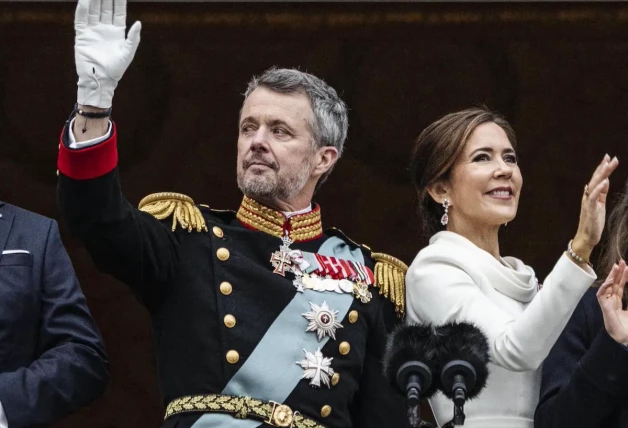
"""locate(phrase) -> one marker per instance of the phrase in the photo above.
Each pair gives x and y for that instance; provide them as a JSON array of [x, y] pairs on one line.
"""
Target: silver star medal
[[317, 368], [323, 321]]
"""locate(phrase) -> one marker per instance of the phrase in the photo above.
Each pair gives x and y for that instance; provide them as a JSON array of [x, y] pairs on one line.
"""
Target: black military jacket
[[212, 295]]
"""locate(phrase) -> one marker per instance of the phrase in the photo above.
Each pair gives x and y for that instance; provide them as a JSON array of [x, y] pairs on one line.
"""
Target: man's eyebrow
[[276, 122], [248, 119]]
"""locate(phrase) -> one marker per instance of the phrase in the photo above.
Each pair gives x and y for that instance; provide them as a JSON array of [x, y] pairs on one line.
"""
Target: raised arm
[[446, 286], [123, 241], [102, 55], [592, 212], [441, 289]]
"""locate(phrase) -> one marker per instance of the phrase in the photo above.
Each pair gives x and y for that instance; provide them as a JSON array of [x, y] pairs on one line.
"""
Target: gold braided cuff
[[390, 278], [181, 207], [271, 413]]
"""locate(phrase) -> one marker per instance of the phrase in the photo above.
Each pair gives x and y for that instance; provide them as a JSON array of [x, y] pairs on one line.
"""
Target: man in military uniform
[[261, 318]]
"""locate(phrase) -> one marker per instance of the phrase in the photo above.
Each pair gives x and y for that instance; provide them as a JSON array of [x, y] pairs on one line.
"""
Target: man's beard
[[275, 187]]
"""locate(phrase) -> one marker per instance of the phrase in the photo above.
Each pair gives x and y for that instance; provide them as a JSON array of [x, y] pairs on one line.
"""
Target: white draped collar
[[508, 275]]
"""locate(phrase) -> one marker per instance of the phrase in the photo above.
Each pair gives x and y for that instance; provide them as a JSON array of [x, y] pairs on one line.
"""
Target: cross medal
[[282, 262]]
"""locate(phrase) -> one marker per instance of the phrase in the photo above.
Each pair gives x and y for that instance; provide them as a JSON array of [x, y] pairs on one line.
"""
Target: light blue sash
[[271, 372]]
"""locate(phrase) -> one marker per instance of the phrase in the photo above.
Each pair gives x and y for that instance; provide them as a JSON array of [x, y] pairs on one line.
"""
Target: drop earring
[[445, 218]]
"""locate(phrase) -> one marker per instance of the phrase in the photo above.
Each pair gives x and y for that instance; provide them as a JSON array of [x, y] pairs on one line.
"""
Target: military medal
[[322, 320], [298, 282], [317, 368], [361, 291], [322, 273], [281, 260]]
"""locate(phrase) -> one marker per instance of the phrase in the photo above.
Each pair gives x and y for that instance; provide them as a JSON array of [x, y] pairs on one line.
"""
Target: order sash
[[271, 372]]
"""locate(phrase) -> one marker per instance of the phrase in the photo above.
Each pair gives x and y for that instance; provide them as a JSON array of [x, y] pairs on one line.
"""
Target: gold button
[[233, 357], [225, 288], [353, 316], [222, 254], [344, 348], [325, 411], [218, 231], [335, 379], [230, 321]]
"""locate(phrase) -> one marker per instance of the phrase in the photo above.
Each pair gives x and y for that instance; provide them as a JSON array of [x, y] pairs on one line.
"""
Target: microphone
[[463, 358], [410, 363]]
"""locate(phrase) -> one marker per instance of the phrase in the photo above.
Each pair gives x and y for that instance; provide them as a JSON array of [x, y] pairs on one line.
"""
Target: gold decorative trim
[[297, 236], [390, 278], [164, 204], [271, 413], [263, 211], [301, 227], [259, 223]]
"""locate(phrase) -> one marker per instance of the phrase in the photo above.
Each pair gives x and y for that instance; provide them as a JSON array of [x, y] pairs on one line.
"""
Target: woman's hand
[[593, 209], [610, 298]]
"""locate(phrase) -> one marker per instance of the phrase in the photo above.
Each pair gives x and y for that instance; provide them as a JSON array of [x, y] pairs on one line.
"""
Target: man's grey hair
[[331, 119]]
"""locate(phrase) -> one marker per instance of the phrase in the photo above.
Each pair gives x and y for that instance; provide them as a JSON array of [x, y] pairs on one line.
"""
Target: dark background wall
[[557, 71]]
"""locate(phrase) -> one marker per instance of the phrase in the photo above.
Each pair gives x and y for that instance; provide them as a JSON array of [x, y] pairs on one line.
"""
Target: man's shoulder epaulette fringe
[[181, 207], [390, 278]]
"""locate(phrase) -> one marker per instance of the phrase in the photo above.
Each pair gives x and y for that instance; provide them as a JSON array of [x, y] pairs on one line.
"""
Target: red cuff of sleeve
[[90, 162]]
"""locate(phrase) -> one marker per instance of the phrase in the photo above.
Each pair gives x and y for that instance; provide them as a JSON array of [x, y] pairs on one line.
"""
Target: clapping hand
[[593, 208], [610, 297], [102, 52]]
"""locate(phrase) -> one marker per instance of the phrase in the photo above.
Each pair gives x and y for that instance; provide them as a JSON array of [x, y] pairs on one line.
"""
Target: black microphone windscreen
[[410, 343], [466, 342]]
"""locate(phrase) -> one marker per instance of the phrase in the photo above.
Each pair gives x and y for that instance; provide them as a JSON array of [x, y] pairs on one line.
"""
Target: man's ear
[[326, 158], [439, 191]]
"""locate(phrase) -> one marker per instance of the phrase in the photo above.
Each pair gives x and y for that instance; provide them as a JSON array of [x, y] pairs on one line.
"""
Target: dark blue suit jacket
[[585, 376], [52, 359]]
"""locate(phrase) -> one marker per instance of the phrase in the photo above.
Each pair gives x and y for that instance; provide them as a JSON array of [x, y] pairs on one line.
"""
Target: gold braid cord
[[181, 207], [274, 414], [390, 278]]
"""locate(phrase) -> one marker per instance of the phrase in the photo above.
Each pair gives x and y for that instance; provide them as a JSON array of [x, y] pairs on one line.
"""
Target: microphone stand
[[458, 419], [456, 377], [414, 377]]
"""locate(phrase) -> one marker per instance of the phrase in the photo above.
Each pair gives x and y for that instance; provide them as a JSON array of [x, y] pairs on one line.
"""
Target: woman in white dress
[[468, 182]]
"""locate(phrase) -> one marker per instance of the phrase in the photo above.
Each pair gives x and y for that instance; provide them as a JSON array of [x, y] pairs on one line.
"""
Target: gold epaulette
[[390, 278], [181, 207]]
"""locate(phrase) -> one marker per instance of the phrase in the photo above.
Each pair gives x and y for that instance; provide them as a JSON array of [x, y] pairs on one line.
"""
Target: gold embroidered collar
[[300, 227]]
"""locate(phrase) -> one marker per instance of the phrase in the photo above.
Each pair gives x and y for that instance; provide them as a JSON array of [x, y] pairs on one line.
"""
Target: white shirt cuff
[[82, 145]]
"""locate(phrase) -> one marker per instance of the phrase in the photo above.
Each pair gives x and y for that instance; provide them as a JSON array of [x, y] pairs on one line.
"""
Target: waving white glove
[[101, 52]]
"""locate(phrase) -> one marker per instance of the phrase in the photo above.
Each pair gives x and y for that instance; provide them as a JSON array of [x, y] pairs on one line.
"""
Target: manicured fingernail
[[607, 157]]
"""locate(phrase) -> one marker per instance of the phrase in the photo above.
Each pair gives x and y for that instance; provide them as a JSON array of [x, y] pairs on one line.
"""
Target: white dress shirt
[[75, 145]]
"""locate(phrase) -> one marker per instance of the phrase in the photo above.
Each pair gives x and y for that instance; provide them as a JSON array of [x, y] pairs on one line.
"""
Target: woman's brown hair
[[616, 247], [437, 149]]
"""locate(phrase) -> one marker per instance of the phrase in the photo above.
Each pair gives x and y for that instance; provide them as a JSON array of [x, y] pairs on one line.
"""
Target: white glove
[[101, 52]]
